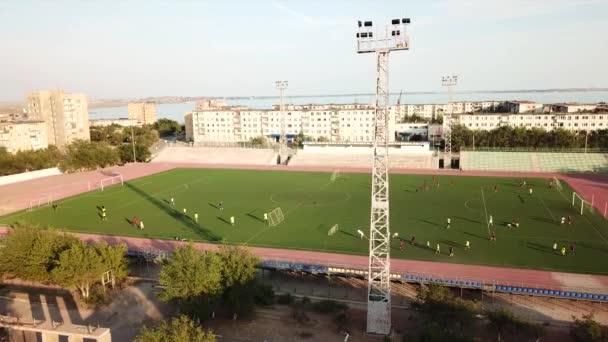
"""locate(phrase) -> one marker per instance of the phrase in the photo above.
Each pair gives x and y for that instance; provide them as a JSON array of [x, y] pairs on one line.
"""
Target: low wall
[[21, 177], [422, 147]]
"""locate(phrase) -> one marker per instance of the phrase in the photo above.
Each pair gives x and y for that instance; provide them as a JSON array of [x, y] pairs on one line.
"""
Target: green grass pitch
[[313, 203]]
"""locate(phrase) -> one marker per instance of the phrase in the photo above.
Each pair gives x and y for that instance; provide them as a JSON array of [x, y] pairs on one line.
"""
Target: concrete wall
[[20, 177], [401, 148]]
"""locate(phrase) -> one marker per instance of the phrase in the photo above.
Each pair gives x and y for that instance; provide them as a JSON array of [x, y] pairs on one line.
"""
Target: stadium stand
[[216, 155], [534, 161], [410, 161]]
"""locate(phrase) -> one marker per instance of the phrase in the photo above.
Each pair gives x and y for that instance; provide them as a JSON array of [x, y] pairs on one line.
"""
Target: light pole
[[133, 143], [393, 38], [281, 86], [449, 82]]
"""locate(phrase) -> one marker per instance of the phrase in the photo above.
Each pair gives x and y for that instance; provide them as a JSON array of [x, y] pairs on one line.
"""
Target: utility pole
[[283, 151], [133, 143], [379, 284], [586, 138], [449, 82]]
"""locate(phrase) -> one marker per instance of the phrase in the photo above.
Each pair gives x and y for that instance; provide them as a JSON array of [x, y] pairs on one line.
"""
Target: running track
[[18, 196]]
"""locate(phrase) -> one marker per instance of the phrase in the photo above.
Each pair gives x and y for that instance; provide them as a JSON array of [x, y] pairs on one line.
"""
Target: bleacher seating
[[572, 162], [217, 155], [534, 161], [410, 161]]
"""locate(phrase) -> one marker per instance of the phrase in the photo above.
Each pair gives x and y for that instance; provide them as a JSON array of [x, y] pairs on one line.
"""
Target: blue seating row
[[295, 267], [552, 293], [448, 282]]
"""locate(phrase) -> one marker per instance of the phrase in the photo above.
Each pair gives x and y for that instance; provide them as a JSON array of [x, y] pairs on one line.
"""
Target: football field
[[313, 202]]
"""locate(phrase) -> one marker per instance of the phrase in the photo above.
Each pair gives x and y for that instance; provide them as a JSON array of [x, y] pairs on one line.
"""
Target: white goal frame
[[577, 198], [112, 180], [40, 202], [334, 176], [558, 184], [275, 217], [335, 228]]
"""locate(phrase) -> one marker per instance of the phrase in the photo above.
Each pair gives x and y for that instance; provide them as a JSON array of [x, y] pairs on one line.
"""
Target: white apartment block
[[547, 121], [336, 123], [23, 135], [65, 115]]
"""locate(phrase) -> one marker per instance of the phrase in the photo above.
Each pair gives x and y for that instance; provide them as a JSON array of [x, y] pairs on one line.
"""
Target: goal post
[[333, 230], [558, 184], [275, 217], [110, 181], [579, 203], [334, 176]]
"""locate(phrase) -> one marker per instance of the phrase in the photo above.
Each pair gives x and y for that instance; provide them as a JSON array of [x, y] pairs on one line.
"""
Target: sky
[[129, 49]]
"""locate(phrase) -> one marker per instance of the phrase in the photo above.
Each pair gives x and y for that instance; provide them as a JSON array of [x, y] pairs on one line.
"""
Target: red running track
[[17, 196]]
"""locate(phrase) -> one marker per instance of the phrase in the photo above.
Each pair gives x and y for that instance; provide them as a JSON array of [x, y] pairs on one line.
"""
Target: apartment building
[[523, 106], [65, 115], [337, 123], [23, 135], [570, 107], [144, 113], [547, 121]]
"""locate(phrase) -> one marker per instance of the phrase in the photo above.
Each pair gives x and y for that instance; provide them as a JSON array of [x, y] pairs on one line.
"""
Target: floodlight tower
[[379, 286], [281, 86], [449, 82]]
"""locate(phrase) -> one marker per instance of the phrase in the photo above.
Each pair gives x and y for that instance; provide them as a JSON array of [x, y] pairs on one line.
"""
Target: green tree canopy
[[238, 265], [588, 329], [190, 273], [179, 329], [79, 266], [166, 127], [86, 155]]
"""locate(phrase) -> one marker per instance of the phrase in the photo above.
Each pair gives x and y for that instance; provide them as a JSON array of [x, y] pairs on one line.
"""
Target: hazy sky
[[117, 49]]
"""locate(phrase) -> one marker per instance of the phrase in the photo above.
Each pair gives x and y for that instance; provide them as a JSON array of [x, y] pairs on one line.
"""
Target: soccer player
[[103, 216], [530, 190], [135, 221], [572, 247], [428, 244], [550, 184], [569, 219], [563, 220], [495, 188], [141, 225], [54, 207], [172, 202], [491, 222], [361, 234], [451, 251], [400, 245], [232, 220], [196, 217], [493, 236], [437, 249], [555, 246], [449, 220], [467, 245], [563, 250], [412, 239], [221, 205], [265, 216], [103, 208], [185, 211], [396, 235]]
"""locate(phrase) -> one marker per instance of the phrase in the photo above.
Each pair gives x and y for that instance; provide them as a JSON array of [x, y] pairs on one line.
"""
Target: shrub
[[285, 299], [329, 306]]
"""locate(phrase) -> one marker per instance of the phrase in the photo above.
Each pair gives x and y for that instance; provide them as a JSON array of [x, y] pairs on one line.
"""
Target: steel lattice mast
[[449, 82], [379, 286], [283, 150]]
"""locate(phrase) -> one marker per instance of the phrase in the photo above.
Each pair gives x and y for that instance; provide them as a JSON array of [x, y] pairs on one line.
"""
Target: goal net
[[333, 230], [40, 202], [110, 181], [558, 184], [335, 175], [275, 217], [580, 204]]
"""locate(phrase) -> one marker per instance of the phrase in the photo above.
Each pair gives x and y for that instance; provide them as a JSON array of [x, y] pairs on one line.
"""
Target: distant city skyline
[[135, 49]]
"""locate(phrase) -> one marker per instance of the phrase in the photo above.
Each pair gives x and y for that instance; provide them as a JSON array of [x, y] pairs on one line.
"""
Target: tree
[[502, 320], [179, 329], [78, 266], [113, 259], [260, 141], [167, 127], [588, 330], [142, 153], [238, 265], [190, 273], [87, 155]]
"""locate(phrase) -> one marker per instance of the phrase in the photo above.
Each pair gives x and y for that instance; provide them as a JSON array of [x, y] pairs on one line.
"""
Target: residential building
[[23, 135], [547, 121], [523, 106], [109, 122], [144, 113], [570, 107], [65, 115]]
